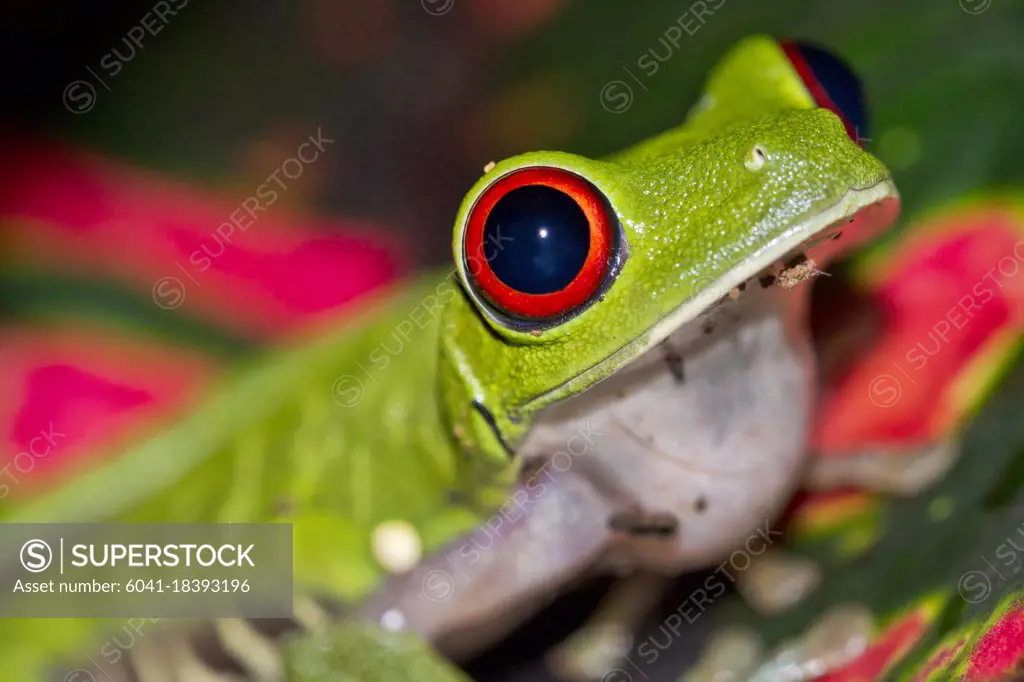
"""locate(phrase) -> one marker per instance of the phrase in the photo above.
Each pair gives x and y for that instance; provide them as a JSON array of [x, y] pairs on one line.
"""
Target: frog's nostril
[[756, 158]]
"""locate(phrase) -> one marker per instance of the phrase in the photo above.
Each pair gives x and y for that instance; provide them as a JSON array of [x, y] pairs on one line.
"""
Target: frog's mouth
[[789, 259], [796, 254]]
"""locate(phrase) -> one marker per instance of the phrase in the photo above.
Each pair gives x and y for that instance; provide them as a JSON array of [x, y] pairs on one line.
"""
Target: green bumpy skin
[[373, 420], [350, 652]]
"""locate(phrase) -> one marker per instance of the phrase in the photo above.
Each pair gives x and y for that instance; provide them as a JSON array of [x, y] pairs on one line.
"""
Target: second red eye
[[832, 83], [539, 243]]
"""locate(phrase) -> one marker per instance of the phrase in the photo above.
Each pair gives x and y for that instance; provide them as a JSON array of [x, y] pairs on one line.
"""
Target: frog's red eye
[[539, 243], [832, 84]]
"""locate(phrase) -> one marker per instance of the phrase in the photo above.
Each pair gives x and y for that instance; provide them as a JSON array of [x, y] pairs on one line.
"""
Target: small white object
[[756, 158], [393, 620], [396, 546]]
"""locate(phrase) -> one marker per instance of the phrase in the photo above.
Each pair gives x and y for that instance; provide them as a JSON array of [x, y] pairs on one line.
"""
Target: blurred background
[[409, 100], [420, 95]]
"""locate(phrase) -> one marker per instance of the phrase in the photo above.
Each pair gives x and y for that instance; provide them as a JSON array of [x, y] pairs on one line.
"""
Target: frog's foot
[[731, 655], [836, 639], [777, 580], [469, 593], [900, 473], [609, 635]]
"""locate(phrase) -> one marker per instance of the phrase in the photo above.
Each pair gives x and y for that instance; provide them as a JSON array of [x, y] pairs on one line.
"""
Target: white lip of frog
[[852, 202]]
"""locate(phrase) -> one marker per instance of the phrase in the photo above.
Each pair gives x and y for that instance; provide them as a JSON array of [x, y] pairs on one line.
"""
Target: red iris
[[539, 243]]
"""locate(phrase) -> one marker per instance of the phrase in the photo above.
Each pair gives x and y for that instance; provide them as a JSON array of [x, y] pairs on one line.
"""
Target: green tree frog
[[615, 377]]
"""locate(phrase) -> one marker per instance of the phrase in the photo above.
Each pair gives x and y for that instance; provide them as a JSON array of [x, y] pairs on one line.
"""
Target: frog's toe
[[609, 635], [730, 656], [777, 580], [837, 638], [900, 473]]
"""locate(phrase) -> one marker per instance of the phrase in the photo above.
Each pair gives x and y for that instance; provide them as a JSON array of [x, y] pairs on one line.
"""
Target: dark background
[[421, 95], [419, 101]]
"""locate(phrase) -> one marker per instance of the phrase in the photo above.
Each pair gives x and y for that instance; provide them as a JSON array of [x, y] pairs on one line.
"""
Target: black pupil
[[536, 239], [841, 84]]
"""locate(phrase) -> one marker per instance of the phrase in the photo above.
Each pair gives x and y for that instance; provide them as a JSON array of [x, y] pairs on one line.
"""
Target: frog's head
[[571, 268]]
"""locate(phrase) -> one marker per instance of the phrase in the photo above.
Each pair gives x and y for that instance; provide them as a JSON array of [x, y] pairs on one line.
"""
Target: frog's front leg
[[472, 591], [610, 634]]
